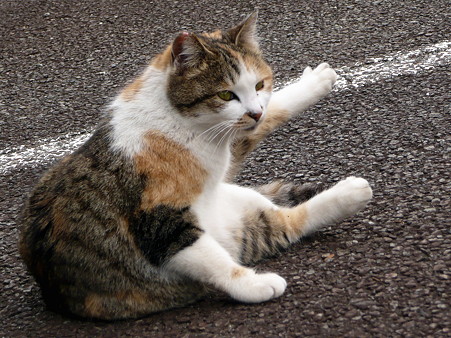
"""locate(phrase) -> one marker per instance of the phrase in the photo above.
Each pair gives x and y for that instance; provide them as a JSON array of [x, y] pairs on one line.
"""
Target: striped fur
[[141, 219]]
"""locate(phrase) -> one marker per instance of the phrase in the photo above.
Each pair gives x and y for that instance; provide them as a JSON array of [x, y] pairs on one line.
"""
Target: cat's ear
[[188, 51], [244, 34]]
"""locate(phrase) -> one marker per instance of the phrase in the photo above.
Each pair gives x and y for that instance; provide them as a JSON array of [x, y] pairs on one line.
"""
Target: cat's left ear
[[188, 51], [244, 34]]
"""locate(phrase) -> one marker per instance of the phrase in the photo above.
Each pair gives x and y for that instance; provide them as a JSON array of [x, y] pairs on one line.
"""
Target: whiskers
[[219, 134]]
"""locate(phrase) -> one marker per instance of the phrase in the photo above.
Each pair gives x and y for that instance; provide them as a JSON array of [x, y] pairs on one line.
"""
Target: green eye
[[259, 86], [227, 95]]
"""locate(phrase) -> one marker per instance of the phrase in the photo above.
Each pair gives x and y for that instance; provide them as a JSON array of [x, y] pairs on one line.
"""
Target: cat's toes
[[321, 79], [275, 282], [354, 194], [326, 73], [307, 70], [258, 288], [321, 67]]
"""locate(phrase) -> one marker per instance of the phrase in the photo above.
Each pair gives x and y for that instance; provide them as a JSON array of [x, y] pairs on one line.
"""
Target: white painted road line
[[46, 151], [371, 71], [390, 66]]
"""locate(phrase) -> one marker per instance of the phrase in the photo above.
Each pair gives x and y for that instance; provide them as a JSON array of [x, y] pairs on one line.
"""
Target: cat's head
[[219, 78]]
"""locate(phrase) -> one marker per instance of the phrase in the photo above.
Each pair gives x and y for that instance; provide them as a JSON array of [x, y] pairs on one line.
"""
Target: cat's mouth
[[249, 122], [246, 125]]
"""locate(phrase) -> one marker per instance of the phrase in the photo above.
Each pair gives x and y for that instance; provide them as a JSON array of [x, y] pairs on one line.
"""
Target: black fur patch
[[291, 195], [163, 232]]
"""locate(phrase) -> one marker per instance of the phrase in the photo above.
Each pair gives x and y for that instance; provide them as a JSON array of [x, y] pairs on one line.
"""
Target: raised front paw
[[250, 287], [313, 85], [320, 80]]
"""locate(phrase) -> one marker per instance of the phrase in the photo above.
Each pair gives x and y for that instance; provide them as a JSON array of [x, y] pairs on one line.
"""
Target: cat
[[143, 217]]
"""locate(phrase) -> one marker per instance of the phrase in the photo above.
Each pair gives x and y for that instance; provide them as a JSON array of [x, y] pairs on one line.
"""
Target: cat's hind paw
[[343, 200], [354, 194], [256, 288]]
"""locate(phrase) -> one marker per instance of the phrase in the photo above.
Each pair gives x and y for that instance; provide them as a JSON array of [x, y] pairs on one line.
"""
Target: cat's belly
[[220, 212]]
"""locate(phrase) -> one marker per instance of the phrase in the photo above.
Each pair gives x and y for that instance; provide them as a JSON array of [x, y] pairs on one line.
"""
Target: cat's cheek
[[233, 111], [264, 97], [215, 105]]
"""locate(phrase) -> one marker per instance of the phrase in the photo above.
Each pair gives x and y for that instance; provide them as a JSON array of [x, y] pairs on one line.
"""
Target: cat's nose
[[254, 115]]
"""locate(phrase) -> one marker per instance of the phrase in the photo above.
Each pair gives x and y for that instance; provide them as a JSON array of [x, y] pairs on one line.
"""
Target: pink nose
[[254, 116]]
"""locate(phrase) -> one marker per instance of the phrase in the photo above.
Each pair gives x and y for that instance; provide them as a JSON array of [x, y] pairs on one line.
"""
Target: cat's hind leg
[[289, 194], [266, 232], [207, 261]]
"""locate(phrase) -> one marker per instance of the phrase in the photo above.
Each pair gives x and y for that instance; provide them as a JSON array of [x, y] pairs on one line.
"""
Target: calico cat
[[142, 217]]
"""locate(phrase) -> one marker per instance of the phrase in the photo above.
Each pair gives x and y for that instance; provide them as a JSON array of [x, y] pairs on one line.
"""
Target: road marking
[[46, 151], [379, 69], [370, 71]]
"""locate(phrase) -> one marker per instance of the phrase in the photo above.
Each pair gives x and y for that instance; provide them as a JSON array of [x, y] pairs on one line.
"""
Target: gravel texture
[[386, 272]]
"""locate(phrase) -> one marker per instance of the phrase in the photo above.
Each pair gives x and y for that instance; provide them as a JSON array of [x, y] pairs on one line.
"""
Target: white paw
[[352, 194], [313, 85], [319, 80], [256, 288], [341, 201]]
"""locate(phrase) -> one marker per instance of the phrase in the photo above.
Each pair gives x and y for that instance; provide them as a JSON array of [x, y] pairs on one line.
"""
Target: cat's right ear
[[187, 51], [244, 34]]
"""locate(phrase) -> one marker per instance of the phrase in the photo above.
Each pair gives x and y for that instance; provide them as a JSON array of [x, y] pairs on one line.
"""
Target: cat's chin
[[244, 131], [251, 128]]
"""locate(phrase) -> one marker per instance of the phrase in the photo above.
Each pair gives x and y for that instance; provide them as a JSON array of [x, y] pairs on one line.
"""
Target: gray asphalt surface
[[386, 272]]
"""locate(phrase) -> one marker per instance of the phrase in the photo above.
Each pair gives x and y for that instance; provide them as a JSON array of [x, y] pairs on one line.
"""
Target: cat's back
[[76, 217]]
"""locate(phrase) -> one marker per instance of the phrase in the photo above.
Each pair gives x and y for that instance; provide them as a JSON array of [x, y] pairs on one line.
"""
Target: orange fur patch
[[264, 70], [132, 89], [243, 146], [59, 222], [238, 272], [93, 306], [163, 60], [174, 176], [123, 225], [98, 306], [124, 232], [274, 118], [213, 35], [290, 221], [294, 220]]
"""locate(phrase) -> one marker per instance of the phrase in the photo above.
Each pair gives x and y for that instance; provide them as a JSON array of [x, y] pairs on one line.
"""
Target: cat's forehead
[[250, 74], [251, 70], [239, 61]]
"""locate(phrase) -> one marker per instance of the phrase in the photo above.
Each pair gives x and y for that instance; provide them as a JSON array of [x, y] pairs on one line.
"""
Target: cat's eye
[[227, 95], [259, 86]]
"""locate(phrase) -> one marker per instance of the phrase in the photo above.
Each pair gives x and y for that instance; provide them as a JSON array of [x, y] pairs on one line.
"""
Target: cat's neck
[[215, 158]]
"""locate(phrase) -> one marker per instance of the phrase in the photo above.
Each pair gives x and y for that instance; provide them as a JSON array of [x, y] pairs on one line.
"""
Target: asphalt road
[[386, 272]]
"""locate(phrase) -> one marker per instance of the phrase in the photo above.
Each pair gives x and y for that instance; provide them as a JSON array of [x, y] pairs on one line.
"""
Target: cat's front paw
[[256, 288], [320, 80], [313, 85], [353, 194]]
